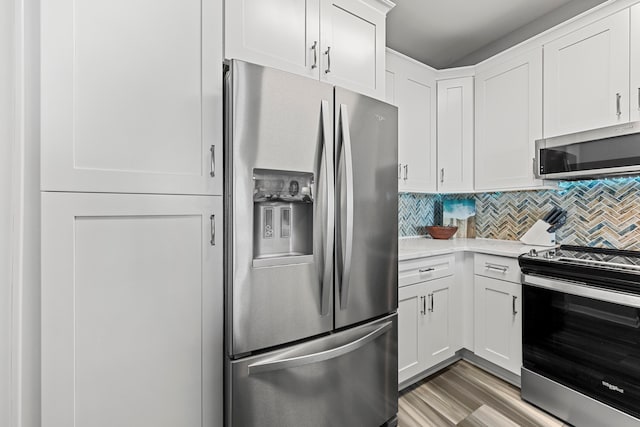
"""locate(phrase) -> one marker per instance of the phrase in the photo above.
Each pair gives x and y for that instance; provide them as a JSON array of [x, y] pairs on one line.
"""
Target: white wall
[[551, 19], [6, 143]]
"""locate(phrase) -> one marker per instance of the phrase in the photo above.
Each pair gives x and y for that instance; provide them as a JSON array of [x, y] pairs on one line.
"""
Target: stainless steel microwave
[[605, 152]]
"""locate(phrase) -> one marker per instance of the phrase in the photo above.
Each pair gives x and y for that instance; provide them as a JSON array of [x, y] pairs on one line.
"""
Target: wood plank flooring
[[464, 395]]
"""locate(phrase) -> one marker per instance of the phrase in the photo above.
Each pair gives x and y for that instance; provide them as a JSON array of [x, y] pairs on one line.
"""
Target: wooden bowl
[[441, 232]]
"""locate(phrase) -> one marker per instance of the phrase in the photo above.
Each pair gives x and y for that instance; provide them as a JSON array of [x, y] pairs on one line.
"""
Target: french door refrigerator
[[311, 211]]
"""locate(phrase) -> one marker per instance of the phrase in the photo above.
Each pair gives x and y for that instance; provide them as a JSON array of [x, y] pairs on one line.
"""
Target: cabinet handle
[[406, 172], [431, 303], [212, 218], [399, 170], [533, 166], [213, 160], [618, 107], [499, 268], [423, 311], [639, 99], [442, 175], [513, 305], [315, 55], [426, 270], [328, 53]]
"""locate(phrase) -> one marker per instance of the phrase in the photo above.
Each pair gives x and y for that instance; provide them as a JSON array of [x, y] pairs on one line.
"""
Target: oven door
[[585, 338]]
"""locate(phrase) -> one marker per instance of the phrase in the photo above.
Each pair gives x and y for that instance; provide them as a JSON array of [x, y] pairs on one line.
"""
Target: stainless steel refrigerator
[[311, 288]]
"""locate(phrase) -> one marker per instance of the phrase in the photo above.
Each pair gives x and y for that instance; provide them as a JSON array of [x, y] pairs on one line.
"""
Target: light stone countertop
[[422, 247]]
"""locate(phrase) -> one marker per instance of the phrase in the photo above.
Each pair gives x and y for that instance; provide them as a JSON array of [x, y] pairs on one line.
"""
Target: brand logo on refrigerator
[[612, 387], [379, 117]]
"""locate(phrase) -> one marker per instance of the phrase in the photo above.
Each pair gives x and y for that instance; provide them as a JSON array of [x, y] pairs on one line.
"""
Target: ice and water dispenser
[[282, 216]]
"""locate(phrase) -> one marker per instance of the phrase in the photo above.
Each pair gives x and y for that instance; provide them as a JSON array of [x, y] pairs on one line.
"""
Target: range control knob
[[550, 254], [533, 252]]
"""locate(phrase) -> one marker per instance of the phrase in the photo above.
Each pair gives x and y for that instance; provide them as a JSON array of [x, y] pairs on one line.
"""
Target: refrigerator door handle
[[307, 359], [329, 211], [346, 209]]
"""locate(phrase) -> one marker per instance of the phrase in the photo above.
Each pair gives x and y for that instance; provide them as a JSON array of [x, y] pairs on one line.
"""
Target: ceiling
[[445, 33]]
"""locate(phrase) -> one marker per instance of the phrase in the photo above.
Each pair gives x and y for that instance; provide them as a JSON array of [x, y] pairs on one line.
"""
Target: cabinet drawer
[[497, 267], [421, 270]]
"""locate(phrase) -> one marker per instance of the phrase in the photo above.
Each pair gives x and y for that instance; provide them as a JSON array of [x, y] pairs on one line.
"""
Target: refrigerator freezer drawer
[[345, 379]]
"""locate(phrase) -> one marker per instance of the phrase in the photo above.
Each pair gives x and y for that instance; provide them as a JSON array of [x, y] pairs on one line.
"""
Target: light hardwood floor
[[464, 395]]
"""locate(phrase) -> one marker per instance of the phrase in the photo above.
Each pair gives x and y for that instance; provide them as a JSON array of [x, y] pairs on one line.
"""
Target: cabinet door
[[635, 63], [438, 335], [353, 46], [498, 322], [415, 97], [132, 96], [586, 77], [131, 310], [455, 135], [282, 34], [508, 122], [411, 319]]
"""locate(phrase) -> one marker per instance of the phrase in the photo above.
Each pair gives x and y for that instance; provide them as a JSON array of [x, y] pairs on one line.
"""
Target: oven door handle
[[582, 290]]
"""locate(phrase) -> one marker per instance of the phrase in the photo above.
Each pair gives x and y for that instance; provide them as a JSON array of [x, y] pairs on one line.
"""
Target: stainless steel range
[[581, 334]]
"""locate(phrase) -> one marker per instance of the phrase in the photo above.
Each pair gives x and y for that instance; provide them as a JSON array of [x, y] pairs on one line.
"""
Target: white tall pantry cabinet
[[132, 293], [131, 300]]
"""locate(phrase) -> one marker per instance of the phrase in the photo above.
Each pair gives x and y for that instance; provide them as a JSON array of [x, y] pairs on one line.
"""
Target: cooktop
[[609, 268]]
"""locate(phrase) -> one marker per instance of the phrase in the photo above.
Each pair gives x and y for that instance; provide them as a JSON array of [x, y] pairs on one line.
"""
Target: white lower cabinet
[[498, 322], [425, 326], [447, 302], [131, 310]]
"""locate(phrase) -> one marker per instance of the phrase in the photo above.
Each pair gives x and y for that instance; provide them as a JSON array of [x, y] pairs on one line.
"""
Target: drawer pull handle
[[499, 268], [426, 270]]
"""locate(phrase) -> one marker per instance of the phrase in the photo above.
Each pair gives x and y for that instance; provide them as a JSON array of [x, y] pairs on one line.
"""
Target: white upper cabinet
[[414, 93], [338, 41], [508, 122], [132, 96], [586, 77], [635, 63], [455, 135], [353, 46], [282, 34]]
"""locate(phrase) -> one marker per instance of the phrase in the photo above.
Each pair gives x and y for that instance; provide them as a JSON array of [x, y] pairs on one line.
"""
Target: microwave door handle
[[346, 209], [329, 210]]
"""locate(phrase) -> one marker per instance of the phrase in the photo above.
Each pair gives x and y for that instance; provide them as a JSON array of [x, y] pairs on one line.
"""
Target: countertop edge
[[471, 245]]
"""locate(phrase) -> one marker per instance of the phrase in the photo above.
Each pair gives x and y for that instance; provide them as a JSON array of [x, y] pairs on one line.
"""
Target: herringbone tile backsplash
[[603, 213]]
